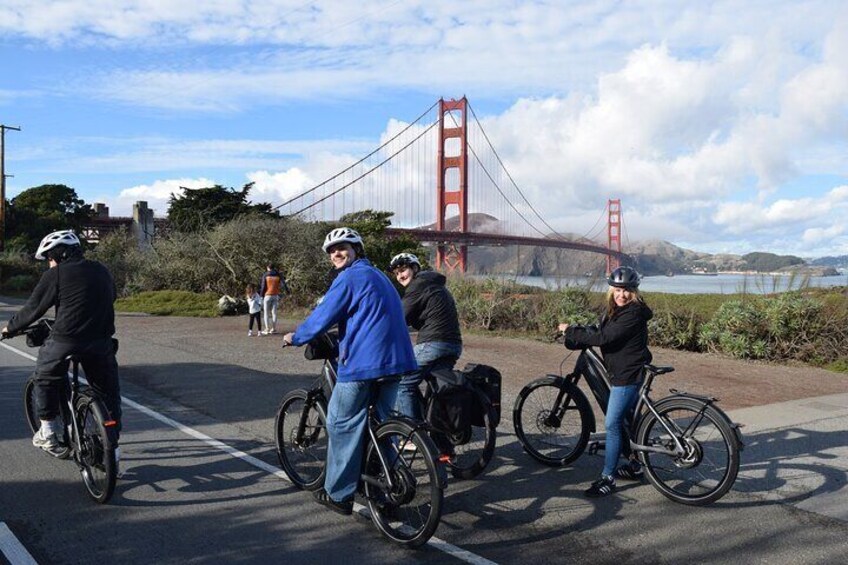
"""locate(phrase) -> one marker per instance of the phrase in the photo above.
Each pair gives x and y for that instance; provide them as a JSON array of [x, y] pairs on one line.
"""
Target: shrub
[[738, 329], [677, 330]]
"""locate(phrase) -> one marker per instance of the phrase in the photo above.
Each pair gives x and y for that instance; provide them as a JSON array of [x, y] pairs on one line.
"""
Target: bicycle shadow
[[789, 465]]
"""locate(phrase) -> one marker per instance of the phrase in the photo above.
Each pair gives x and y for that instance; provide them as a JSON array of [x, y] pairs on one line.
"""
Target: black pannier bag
[[451, 407], [488, 380]]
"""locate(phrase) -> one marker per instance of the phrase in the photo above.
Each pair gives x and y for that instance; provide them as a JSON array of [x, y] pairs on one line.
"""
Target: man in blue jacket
[[373, 343]]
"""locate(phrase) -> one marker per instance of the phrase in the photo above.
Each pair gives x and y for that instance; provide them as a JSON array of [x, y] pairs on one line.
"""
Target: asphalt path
[[201, 482]]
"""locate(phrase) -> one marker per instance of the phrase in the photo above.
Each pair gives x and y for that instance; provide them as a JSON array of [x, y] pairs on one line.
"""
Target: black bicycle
[[402, 480], [89, 431], [690, 449], [462, 409]]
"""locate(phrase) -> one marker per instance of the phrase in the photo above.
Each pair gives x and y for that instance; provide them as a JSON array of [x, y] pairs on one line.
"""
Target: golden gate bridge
[[476, 201]]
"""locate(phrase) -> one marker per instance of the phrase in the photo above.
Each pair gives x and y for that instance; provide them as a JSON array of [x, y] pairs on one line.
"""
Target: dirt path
[[739, 384]]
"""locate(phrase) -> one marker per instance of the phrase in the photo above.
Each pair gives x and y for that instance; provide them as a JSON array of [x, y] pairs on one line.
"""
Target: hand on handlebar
[[287, 340]]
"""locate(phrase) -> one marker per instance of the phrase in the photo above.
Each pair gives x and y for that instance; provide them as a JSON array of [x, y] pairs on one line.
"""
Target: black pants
[[100, 367], [258, 317]]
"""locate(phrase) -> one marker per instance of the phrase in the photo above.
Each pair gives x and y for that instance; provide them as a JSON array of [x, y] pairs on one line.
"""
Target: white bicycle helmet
[[404, 260], [51, 240], [341, 235]]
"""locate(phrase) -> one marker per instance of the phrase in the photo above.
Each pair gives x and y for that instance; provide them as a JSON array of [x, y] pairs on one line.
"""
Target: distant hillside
[[837, 262], [653, 257]]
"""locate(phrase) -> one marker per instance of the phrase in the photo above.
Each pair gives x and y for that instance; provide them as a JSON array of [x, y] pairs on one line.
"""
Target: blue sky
[[722, 126]]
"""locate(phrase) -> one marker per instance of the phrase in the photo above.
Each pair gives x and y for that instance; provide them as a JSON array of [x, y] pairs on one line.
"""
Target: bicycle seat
[[659, 370]]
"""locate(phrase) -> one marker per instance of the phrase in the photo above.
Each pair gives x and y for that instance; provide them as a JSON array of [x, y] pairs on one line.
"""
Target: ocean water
[[697, 284]]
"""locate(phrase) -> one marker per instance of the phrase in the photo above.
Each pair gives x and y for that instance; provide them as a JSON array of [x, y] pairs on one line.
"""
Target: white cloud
[[156, 195]]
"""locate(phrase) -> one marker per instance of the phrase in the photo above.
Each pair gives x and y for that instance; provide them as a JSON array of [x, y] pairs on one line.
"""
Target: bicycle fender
[[683, 394]]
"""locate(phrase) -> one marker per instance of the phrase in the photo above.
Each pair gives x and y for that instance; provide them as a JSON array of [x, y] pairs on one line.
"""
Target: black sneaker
[[344, 508], [601, 487], [631, 471]]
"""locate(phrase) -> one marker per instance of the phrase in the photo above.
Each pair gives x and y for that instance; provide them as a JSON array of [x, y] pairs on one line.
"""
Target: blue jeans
[[269, 308], [430, 356], [347, 419], [622, 401]]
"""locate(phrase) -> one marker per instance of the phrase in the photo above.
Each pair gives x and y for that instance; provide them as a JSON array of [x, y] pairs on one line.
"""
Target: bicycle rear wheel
[[548, 437], [708, 469], [470, 457], [97, 454], [408, 513], [301, 436]]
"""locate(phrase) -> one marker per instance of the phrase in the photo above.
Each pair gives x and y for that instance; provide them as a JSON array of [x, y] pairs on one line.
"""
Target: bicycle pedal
[[595, 447]]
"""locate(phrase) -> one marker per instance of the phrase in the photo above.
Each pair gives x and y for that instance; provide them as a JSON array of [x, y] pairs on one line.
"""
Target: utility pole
[[3, 129]]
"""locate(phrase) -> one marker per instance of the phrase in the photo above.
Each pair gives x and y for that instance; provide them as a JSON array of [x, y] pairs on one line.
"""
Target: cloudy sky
[[721, 125]]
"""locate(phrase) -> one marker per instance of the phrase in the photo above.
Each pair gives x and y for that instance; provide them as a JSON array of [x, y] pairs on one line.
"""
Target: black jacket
[[623, 339], [82, 292], [429, 308]]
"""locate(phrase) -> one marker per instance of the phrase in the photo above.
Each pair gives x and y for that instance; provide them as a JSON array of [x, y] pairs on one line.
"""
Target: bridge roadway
[[474, 238], [183, 499]]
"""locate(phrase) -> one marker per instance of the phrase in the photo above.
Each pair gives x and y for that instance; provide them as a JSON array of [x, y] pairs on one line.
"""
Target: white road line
[[12, 549], [436, 543]]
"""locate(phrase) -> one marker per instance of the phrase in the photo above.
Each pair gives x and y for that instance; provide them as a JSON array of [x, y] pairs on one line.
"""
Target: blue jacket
[[373, 339]]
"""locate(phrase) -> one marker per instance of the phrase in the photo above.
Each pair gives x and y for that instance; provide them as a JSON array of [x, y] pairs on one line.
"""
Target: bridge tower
[[613, 233], [449, 256]]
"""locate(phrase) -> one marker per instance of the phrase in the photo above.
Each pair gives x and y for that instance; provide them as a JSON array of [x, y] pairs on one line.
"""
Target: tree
[[38, 211], [203, 208], [372, 225]]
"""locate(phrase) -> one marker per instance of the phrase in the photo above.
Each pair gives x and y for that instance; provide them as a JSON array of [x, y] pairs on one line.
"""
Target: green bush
[[676, 330], [738, 329]]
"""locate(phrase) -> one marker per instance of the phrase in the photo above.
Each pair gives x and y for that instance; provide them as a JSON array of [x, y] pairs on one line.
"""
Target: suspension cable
[[337, 175], [369, 171], [509, 176]]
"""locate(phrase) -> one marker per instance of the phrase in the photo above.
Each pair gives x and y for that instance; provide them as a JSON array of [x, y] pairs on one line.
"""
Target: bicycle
[[471, 446], [89, 430], [402, 479], [688, 447]]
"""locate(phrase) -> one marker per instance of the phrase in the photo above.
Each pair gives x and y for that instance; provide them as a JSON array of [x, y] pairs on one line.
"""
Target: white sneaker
[[249, 333], [49, 443]]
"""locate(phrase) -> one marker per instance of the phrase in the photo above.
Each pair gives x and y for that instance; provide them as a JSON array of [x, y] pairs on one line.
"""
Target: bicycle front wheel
[[30, 408], [409, 511], [710, 464], [97, 454], [554, 433], [471, 455], [300, 431]]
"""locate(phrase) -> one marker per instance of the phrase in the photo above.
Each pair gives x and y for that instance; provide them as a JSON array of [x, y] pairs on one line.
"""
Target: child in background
[[254, 304]]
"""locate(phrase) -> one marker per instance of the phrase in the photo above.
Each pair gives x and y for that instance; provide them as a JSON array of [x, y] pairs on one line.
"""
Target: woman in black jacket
[[622, 335], [430, 309]]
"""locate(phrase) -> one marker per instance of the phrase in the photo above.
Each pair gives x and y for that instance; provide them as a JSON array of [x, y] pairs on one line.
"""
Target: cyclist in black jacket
[[83, 293], [622, 335], [429, 308]]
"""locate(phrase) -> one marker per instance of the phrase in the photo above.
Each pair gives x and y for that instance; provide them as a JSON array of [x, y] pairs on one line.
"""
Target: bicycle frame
[[590, 366]]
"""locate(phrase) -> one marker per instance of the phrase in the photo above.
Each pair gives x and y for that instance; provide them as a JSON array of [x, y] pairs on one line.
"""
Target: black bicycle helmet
[[624, 277]]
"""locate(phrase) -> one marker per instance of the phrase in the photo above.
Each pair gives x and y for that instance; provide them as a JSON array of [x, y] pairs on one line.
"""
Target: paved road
[[182, 499]]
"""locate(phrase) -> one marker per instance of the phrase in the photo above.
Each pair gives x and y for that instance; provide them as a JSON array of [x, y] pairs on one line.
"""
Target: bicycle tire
[[97, 455], [411, 512], [471, 457], [553, 445], [30, 408], [304, 461], [712, 461]]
